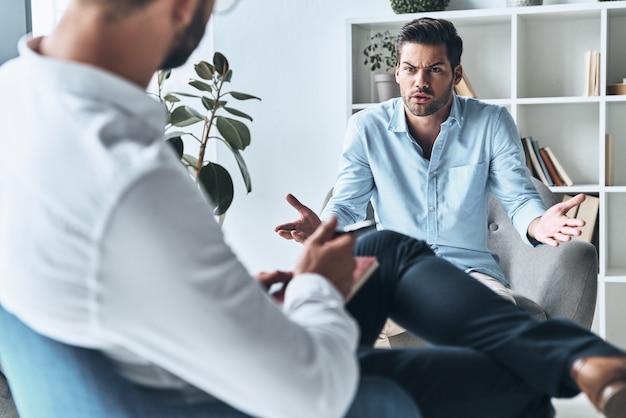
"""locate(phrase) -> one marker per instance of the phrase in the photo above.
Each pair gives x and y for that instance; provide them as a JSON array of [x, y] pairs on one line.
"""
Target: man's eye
[[435, 70], [409, 69]]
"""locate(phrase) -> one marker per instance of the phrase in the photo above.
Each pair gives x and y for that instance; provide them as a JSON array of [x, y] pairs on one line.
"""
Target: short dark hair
[[429, 31], [117, 9]]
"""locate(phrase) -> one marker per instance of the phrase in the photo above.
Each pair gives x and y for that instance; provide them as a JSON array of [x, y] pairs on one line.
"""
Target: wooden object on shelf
[[592, 73], [464, 88], [609, 160], [587, 211], [616, 89]]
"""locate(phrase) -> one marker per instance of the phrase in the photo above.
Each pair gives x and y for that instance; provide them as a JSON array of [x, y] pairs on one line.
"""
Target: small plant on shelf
[[380, 54], [232, 132]]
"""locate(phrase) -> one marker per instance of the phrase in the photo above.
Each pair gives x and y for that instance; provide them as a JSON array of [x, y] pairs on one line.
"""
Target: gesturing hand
[[328, 256], [301, 229], [555, 226]]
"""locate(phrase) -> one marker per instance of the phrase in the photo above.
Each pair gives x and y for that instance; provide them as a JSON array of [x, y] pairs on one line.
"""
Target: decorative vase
[[386, 86], [518, 3], [417, 6]]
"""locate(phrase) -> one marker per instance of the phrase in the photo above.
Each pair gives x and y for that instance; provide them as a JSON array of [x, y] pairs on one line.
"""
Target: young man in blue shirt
[[427, 161]]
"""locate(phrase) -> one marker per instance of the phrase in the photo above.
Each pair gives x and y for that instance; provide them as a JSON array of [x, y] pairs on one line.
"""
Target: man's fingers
[[284, 233], [285, 227], [293, 201], [573, 202]]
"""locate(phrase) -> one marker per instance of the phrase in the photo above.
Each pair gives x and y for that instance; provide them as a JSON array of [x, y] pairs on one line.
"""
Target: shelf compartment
[[615, 294], [616, 54], [554, 70], [571, 132], [616, 231], [616, 126]]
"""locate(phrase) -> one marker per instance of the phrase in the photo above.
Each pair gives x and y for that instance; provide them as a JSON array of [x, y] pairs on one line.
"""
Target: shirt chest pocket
[[462, 189]]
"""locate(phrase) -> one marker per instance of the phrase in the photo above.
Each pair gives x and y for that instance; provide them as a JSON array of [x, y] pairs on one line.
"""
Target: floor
[[578, 407]]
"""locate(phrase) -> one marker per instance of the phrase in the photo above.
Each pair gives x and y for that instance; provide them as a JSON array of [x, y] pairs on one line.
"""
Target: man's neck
[[123, 47], [425, 129]]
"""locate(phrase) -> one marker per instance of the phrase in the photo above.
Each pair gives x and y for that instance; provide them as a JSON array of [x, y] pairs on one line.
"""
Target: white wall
[[291, 53]]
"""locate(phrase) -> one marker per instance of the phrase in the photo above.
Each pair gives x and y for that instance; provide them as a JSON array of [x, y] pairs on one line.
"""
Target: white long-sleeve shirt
[[106, 243]]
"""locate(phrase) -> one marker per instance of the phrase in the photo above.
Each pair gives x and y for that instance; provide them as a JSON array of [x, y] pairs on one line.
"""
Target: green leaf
[[169, 97], [218, 184], [177, 144], [243, 168], [237, 113], [190, 159], [236, 133], [163, 75], [221, 63], [185, 116], [228, 76], [201, 85], [195, 96], [209, 103], [174, 134], [243, 96], [204, 70]]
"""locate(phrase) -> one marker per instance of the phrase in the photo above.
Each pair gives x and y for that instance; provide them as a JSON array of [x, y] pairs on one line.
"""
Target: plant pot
[[386, 86]]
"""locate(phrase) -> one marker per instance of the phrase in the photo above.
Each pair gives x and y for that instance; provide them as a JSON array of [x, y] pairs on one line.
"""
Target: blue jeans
[[49, 379]]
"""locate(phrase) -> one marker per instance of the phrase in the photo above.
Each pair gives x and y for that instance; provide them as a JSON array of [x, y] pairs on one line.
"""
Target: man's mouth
[[421, 97]]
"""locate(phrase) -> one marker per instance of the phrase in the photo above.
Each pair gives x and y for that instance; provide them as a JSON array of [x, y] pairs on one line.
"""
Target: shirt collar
[[397, 122], [102, 86]]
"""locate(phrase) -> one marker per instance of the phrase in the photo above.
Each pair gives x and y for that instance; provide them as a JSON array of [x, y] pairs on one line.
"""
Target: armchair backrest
[[562, 280]]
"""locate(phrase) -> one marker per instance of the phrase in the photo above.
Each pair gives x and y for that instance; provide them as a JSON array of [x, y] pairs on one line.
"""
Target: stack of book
[[544, 165], [587, 211]]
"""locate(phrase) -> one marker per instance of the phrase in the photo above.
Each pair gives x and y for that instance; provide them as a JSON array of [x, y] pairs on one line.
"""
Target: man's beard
[[187, 41], [433, 106]]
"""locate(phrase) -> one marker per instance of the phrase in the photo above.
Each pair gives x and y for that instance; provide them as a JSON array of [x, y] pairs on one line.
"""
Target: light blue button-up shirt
[[445, 200]]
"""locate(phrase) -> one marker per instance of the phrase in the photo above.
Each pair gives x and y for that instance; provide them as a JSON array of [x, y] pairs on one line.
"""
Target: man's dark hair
[[117, 9], [429, 31]]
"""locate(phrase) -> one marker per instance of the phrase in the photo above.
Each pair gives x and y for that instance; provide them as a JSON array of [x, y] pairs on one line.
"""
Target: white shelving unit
[[531, 60]]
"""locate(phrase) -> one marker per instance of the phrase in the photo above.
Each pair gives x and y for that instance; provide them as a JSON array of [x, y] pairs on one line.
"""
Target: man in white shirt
[[105, 242], [106, 246]]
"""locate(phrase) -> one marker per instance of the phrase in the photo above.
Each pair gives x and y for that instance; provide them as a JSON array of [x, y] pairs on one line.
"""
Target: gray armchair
[[545, 281]]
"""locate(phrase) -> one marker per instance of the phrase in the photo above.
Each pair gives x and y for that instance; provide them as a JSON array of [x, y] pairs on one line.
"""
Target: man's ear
[[458, 74], [183, 11]]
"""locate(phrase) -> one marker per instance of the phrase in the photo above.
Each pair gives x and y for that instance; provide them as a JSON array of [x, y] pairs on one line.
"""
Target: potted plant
[[418, 6], [231, 131], [380, 56]]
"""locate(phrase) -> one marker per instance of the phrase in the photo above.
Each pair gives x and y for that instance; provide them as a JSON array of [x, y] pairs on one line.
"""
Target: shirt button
[[432, 208]]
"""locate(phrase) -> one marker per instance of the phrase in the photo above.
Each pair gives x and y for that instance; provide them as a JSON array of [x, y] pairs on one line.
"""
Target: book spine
[[556, 179], [546, 175], [534, 157], [529, 163], [559, 167]]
